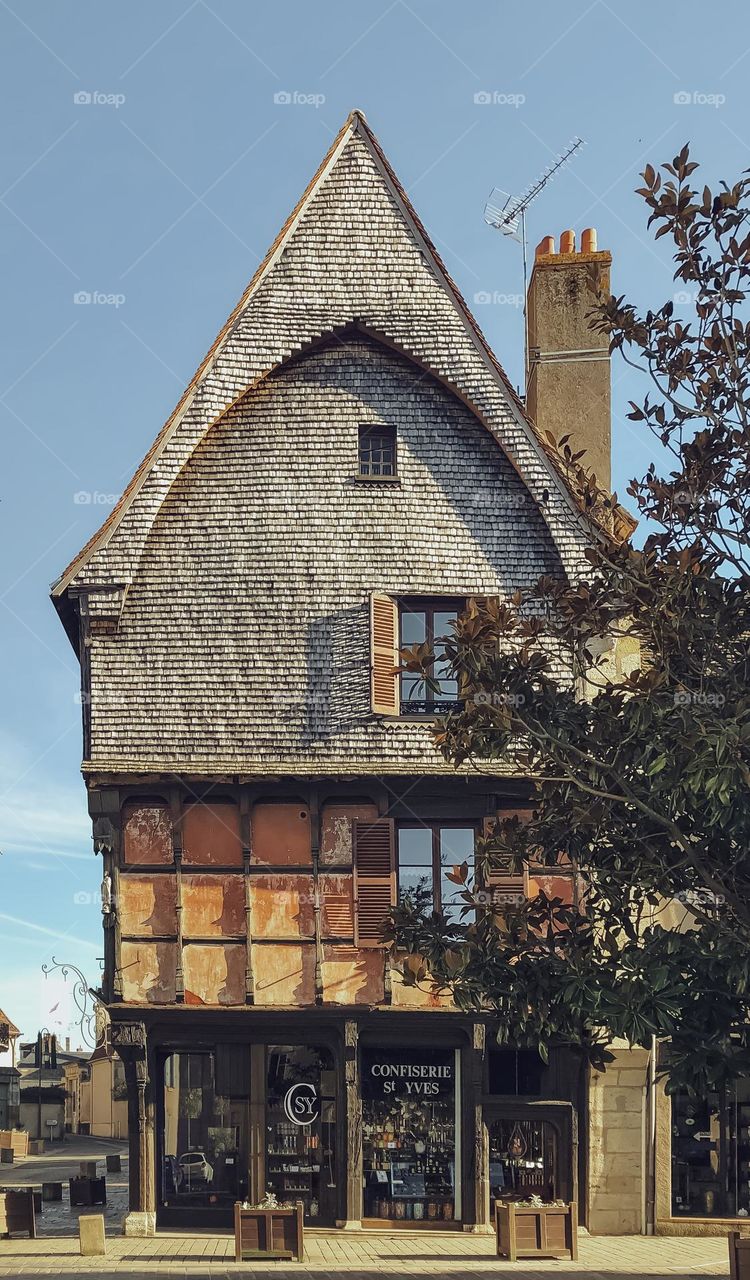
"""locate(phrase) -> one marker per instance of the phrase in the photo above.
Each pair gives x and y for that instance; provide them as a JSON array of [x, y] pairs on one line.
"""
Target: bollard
[[87, 1168], [6, 1155], [91, 1235], [52, 1190], [113, 1164]]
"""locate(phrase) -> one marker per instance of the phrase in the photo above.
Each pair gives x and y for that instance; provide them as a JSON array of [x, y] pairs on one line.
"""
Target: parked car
[[194, 1169]]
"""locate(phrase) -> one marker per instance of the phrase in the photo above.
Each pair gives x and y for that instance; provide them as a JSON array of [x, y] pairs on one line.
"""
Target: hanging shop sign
[[408, 1073], [301, 1103]]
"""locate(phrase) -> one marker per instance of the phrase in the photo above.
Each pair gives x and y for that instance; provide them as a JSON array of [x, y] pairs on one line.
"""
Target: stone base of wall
[[700, 1226], [139, 1224], [616, 1172]]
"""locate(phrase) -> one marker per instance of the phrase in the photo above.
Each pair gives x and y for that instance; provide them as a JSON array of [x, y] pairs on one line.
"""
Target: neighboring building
[[347, 467], [43, 1092], [9, 1075]]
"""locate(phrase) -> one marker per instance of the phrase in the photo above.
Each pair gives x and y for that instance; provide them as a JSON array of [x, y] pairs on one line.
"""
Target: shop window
[[711, 1154], [205, 1136], [515, 1072], [409, 1135], [522, 1159], [426, 856], [301, 1130]]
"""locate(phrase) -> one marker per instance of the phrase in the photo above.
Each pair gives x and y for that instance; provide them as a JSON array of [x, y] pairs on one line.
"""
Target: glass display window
[[522, 1159], [205, 1136], [301, 1129], [410, 1135], [711, 1154]]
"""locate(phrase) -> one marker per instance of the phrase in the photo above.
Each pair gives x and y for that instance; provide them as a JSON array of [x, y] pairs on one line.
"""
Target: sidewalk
[[366, 1257]]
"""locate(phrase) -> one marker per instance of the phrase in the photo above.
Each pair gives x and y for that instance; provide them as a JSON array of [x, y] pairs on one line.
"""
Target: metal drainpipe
[[651, 1203]]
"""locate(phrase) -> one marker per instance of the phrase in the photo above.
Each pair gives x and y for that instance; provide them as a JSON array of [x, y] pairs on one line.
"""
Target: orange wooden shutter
[[374, 878], [505, 882], [338, 909], [384, 655]]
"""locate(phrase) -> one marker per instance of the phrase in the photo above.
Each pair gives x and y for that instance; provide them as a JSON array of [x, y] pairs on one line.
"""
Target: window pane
[[456, 846], [413, 626], [413, 878], [415, 846]]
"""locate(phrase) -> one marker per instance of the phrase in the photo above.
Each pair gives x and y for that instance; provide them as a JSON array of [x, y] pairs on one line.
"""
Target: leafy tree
[[623, 699]]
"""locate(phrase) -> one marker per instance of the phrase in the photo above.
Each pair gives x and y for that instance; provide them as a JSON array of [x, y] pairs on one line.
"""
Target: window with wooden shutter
[[384, 655], [502, 879], [374, 878]]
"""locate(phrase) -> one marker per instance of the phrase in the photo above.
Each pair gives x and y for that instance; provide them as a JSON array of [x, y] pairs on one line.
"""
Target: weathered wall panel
[[214, 974], [352, 976], [282, 906], [284, 974], [211, 835], [148, 971], [148, 905], [147, 834], [212, 906], [281, 835], [336, 831]]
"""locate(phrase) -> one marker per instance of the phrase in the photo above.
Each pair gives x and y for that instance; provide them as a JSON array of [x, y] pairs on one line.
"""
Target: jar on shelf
[[418, 1210], [448, 1210]]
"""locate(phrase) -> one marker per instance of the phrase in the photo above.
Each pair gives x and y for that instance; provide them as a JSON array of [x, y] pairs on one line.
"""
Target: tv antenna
[[507, 214]]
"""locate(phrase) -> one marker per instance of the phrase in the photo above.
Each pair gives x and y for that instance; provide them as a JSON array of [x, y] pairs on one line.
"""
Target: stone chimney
[[568, 387]]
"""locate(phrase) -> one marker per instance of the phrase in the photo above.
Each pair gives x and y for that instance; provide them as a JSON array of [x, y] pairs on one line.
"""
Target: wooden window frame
[[436, 866], [427, 707], [389, 439]]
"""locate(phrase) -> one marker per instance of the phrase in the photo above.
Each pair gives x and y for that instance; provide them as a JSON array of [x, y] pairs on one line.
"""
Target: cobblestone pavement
[[365, 1256], [59, 1163]]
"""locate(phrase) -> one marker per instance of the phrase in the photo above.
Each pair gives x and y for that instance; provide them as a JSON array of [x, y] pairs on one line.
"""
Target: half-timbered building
[[347, 467]]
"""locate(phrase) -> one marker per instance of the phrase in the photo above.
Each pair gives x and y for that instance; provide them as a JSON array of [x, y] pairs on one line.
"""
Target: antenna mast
[[507, 214]]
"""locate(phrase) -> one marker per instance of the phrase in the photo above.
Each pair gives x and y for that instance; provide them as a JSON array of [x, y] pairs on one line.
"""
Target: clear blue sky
[[163, 192]]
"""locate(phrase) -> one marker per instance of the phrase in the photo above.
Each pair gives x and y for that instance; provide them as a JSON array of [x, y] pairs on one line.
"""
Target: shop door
[[301, 1130], [523, 1158]]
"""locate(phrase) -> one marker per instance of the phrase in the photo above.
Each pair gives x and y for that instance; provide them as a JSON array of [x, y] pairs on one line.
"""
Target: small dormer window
[[377, 453]]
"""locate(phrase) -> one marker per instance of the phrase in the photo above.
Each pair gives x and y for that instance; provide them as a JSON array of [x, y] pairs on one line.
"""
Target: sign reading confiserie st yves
[[407, 1073]]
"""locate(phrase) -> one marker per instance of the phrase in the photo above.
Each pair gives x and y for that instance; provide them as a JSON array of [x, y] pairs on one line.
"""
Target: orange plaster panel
[[148, 971], [421, 997], [282, 906], [148, 905], [353, 976], [281, 835], [214, 975], [336, 831], [147, 834], [212, 906], [211, 835], [337, 901], [284, 974]]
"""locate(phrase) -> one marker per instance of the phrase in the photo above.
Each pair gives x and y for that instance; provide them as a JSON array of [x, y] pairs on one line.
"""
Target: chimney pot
[[588, 240], [546, 245], [568, 242]]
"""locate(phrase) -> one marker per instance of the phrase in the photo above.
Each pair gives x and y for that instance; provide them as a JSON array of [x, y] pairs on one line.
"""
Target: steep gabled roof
[[328, 269], [12, 1028]]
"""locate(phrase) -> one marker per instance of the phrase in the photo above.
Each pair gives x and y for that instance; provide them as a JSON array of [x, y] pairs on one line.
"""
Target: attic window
[[377, 453]]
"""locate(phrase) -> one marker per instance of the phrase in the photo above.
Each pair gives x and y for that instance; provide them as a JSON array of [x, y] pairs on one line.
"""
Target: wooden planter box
[[739, 1256], [87, 1191], [523, 1231], [268, 1233], [17, 1213]]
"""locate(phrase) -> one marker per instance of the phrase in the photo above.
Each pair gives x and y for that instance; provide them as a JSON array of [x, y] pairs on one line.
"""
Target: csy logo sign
[[302, 1104]]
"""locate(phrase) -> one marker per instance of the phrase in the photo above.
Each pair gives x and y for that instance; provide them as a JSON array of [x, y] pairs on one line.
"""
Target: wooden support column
[[104, 809], [175, 805], [477, 1179], [314, 807], [353, 1127], [246, 835], [129, 1042]]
